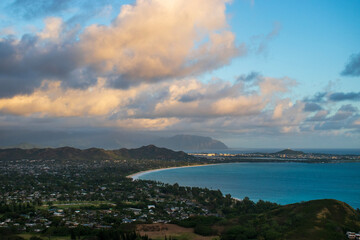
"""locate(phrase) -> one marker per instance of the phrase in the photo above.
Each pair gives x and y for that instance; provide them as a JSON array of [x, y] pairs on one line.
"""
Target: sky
[[251, 73]]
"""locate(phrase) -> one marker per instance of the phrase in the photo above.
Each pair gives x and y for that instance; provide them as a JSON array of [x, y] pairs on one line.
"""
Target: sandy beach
[[135, 176]]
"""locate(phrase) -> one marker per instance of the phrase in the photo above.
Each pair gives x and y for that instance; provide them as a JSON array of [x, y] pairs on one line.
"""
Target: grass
[[29, 235], [158, 231], [79, 204], [185, 236]]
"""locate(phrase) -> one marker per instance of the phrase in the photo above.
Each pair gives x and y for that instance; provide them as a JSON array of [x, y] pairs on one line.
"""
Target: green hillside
[[290, 152], [317, 219], [69, 153]]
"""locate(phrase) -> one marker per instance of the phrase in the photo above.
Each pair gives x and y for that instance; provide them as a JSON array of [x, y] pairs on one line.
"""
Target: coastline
[[345, 197], [136, 176]]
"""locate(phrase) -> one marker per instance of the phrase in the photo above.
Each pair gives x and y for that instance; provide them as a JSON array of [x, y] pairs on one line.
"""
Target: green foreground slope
[[317, 219]]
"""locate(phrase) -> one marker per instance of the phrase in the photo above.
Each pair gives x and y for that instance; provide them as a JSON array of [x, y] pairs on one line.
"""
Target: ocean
[[337, 151], [283, 183]]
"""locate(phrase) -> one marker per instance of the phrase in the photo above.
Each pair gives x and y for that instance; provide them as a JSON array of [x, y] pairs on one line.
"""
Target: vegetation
[[69, 153], [318, 219], [78, 194]]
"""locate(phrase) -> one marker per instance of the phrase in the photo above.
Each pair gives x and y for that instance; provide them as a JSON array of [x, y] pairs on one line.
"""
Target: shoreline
[[136, 175]]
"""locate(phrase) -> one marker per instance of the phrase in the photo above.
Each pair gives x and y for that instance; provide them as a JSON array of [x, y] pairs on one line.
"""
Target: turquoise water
[[282, 183]]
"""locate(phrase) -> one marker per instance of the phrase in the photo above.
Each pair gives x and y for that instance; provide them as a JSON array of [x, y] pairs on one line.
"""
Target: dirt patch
[[160, 230], [323, 213]]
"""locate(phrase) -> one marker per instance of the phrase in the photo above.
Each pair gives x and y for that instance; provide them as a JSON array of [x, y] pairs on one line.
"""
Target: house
[[351, 235], [59, 214], [136, 211]]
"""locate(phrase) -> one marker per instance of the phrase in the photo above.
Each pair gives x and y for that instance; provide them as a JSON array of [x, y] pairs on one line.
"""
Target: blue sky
[[313, 45], [250, 73]]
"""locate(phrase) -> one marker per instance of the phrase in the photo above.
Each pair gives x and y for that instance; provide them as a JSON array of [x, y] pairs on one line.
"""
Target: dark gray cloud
[[344, 118], [341, 120], [352, 68], [312, 107], [318, 117], [339, 96], [249, 77], [340, 116], [348, 108], [323, 97], [319, 97], [191, 96], [330, 125], [23, 66]]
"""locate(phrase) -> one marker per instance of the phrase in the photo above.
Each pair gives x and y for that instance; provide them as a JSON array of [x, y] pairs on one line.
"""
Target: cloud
[[25, 63], [249, 77], [318, 98], [325, 97], [319, 116], [342, 119], [153, 40], [339, 96], [180, 105], [191, 96], [269, 85], [352, 68], [260, 42], [349, 108], [51, 100], [146, 123], [312, 107], [150, 41], [53, 28], [145, 104]]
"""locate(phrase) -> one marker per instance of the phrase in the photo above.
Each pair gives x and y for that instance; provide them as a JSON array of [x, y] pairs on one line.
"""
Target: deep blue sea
[[282, 183], [338, 151]]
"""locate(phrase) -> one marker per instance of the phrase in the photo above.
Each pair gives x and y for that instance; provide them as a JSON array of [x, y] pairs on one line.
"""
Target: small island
[[286, 155]]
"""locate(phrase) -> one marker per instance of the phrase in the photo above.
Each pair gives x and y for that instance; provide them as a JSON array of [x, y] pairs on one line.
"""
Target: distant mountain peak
[[290, 152], [190, 142]]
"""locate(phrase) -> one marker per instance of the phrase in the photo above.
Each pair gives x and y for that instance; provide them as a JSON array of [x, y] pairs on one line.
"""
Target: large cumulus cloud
[[149, 41], [156, 40]]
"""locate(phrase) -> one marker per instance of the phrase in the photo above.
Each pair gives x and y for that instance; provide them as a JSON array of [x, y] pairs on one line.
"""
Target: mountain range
[[69, 153], [102, 138]]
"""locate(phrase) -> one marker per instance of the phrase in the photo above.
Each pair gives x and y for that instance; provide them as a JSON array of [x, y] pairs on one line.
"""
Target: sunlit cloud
[[148, 105], [149, 41], [153, 41], [157, 65]]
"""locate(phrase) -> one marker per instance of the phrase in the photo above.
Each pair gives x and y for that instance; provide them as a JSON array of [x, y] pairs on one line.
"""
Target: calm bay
[[282, 183]]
